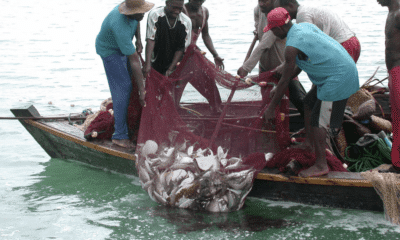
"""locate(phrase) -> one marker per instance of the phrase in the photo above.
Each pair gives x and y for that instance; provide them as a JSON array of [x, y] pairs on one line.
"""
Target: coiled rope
[[371, 156]]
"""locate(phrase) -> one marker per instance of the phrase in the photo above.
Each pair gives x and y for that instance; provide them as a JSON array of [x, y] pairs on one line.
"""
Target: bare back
[[392, 42]]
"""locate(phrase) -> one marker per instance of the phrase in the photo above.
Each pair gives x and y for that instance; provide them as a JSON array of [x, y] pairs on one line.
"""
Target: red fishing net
[[242, 130], [190, 157]]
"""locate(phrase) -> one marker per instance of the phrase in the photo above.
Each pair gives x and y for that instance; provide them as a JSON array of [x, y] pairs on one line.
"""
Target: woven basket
[[379, 124], [362, 104]]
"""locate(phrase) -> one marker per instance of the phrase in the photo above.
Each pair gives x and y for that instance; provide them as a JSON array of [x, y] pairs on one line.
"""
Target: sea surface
[[48, 59]]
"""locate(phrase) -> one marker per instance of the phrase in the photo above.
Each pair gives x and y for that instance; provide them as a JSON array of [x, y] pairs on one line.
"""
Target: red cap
[[276, 18]]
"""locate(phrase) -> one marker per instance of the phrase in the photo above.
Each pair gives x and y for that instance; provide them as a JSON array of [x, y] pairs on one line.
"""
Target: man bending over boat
[[326, 20], [392, 52], [120, 59], [270, 54], [331, 70]]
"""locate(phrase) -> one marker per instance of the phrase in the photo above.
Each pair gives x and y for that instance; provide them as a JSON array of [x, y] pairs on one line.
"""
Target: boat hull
[[339, 190]]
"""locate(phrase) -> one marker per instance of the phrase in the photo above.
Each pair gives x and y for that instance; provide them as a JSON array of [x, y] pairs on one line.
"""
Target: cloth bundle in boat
[[184, 167]]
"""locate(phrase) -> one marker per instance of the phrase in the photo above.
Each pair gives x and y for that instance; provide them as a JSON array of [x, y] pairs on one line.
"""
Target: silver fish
[[183, 147], [185, 202], [241, 203], [224, 162], [159, 198], [220, 153], [178, 175], [232, 199], [268, 156], [186, 160], [223, 205], [143, 175], [150, 191], [190, 151], [237, 185], [213, 206], [148, 168], [147, 185], [200, 152]]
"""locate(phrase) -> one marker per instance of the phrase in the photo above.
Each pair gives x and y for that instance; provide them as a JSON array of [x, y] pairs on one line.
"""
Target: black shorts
[[325, 114]]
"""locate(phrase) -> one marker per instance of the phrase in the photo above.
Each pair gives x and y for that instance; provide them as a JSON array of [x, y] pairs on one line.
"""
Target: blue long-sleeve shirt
[[116, 35]]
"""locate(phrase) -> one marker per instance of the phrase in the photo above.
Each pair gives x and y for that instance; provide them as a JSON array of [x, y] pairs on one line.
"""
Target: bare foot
[[125, 143], [314, 171]]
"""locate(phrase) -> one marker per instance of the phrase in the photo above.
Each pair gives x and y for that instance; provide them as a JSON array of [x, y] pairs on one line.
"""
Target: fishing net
[[387, 185], [191, 158]]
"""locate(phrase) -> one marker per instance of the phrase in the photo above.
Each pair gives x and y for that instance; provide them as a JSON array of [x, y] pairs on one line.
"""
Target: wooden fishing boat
[[349, 190]]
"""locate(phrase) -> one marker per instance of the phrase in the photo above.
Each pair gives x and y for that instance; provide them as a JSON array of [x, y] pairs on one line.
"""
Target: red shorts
[[394, 87], [353, 47]]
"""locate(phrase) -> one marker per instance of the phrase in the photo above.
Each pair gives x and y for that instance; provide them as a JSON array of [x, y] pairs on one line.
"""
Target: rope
[[371, 156], [84, 113]]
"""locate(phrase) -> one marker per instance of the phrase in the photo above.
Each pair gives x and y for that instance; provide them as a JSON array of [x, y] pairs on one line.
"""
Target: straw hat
[[130, 7]]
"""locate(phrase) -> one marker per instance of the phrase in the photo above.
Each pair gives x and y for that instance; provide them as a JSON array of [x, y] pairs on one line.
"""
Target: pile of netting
[[387, 185], [190, 158]]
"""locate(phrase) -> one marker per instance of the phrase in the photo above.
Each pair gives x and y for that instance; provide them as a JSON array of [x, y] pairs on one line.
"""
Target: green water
[[69, 200]]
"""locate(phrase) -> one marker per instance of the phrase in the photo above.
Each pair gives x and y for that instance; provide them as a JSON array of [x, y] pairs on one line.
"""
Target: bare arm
[[177, 57], [139, 46], [268, 39], [209, 44], [149, 51], [138, 75], [289, 72]]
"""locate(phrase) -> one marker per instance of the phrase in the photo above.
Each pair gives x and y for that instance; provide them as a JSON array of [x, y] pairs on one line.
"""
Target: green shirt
[[116, 35]]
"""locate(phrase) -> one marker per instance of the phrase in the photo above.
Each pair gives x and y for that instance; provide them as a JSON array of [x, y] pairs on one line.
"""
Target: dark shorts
[[325, 114]]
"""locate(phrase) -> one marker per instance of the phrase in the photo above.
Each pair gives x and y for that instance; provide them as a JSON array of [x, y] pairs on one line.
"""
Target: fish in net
[[188, 157]]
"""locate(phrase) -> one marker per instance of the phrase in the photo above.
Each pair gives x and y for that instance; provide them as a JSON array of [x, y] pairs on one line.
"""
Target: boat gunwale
[[345, 182]]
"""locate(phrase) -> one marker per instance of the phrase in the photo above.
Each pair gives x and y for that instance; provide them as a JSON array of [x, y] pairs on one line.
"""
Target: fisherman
[[326, 20], [270, 54], [331, 70], [168, 35], [121, 60], [199, 16], [392, 33]]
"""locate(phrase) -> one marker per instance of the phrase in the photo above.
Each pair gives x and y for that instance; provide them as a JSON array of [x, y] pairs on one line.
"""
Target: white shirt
[[326, 20]]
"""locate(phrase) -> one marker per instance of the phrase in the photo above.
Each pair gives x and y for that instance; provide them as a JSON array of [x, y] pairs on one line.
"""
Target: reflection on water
[[191, 221], [70, 200]]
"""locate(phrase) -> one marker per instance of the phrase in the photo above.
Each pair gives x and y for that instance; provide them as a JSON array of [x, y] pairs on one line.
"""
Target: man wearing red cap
[[392, 33], [270, 54], [326, 20], [330, 68]]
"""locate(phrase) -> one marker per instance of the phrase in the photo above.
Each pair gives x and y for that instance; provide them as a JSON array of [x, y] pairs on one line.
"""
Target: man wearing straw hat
[[392, 33], [121, 60], [331, 69]]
